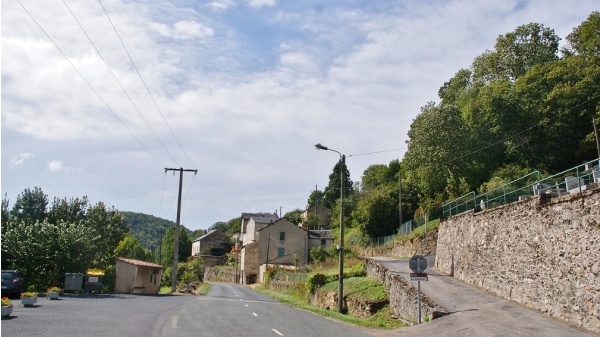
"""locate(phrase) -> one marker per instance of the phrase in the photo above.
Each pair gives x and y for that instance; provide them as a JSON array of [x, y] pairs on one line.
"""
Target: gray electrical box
[[417, 263]]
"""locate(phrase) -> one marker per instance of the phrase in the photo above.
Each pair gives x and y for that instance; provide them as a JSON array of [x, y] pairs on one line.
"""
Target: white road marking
[[277, 332], [174, 322], [254, 314], [246, 304]]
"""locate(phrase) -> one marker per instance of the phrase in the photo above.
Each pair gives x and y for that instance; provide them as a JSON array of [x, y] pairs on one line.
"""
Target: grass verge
[[381, 320]]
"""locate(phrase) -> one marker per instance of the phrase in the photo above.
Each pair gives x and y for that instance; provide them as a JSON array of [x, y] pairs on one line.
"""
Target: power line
[[145, 85], [88, 83], [368, 153], [119, 82]]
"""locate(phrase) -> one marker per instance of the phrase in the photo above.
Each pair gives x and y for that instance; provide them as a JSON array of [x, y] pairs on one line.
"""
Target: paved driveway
[[474, 312]]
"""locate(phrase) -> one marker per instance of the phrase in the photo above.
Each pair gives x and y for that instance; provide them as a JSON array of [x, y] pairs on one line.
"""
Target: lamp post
[[341, 248]]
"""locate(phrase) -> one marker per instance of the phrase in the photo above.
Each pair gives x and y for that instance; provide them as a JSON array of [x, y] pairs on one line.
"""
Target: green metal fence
[[573, 180]]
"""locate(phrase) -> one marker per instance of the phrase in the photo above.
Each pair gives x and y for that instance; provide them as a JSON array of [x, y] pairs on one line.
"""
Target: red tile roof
[[139, 262]]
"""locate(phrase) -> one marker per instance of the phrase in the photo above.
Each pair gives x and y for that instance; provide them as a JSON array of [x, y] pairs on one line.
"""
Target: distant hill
[[147, 229]]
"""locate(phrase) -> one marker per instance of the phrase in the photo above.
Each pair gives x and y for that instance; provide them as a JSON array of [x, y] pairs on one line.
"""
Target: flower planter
[[53, 295], [28, 301], [6, 310]]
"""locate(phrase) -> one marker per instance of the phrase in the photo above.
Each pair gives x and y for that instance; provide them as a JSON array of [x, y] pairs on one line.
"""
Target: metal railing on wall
[[573, 180]]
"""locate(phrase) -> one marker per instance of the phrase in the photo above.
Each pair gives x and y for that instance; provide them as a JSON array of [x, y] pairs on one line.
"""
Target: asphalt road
[[474, 312], [228, 310], [235, 310]]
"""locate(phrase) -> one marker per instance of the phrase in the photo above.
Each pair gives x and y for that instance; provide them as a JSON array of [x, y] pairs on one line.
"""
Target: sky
[[100, 97]]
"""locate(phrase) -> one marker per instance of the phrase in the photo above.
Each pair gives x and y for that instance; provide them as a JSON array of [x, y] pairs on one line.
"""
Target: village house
[[319, 212], [212, 247], [275, 241], [251, 224]]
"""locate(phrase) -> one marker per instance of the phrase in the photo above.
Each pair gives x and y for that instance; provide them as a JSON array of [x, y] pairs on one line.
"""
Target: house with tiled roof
[[137, 277]]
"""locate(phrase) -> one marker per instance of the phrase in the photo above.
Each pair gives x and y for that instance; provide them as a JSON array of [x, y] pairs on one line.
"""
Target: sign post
[[418, 264]]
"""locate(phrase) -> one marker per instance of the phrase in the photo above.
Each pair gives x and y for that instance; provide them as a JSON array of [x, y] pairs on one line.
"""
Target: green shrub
[[318, 254]]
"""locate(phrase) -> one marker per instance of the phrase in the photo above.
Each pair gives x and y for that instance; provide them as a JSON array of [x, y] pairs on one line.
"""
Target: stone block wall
[[219, 274], [542, 253], [403, 295]]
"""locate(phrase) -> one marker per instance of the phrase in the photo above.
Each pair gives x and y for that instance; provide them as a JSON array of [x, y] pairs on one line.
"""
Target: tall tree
[[108, 224], [517, 52], [30, 206], [295, 216], [131, 248], [168, 247], [377, 213], [315, 198], [585, 38], [438, 135], [332, 191], [72, 210]]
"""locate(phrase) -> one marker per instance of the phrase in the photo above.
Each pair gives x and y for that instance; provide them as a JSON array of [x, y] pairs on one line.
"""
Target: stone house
[[251, 224], [137, 277], [321, 212], [214, 243], [319, 238]]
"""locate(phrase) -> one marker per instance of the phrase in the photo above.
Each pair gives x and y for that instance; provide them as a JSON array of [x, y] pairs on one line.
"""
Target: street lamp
[[341, 248]]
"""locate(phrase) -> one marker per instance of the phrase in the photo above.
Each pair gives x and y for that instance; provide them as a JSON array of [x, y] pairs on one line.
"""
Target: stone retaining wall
[[542, 253], [219, 274], [403, 295]]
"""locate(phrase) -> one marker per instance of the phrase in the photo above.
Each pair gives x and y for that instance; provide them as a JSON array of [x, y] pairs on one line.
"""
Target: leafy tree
[[318, 254], [44, 251], [30, 206], [5, 213], [230, 227], [168, 247], [378, 175], [107, 224], [294, 216], [517, 52], [72, 210], [377, 213], [129, 247], [585, 39], [315, 198], [561, 99], [431, 156], [313, 221]]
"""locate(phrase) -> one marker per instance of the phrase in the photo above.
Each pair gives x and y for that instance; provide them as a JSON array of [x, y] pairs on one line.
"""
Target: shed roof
[[320, 234], [139, 263], [263, 220]]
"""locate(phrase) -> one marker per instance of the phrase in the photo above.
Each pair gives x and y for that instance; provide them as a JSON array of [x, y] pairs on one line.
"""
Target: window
[[280, 252], [281, 236], [323, 242]]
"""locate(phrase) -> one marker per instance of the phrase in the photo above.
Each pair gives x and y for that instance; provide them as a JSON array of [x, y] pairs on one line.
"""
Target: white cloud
[[183, 30], [221, 5], [21, 158], [56, 165], [186, 30], [261, 3]]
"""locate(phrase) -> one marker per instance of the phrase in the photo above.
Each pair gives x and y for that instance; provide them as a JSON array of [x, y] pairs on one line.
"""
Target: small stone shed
[[137, 277]]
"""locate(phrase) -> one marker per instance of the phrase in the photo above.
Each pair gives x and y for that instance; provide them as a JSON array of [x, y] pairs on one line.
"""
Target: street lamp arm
[[318, 146]]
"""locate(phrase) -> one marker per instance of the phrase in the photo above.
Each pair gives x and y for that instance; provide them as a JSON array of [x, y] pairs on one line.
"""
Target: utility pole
[[400, 200], [176, 243], [596, 134]]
